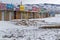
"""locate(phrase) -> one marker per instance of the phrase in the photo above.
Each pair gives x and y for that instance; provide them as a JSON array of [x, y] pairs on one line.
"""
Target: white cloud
[[32, 1]]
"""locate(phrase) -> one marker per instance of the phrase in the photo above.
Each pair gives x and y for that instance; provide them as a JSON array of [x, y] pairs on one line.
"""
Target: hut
[[9, 11], [43, 13], [2, 10], [18, 12]]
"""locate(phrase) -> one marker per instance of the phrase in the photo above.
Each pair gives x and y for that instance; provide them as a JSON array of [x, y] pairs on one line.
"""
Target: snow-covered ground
[[51, 19], [10, 31]]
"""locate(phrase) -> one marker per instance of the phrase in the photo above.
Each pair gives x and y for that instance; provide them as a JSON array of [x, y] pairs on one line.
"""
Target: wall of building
[[0, 15]]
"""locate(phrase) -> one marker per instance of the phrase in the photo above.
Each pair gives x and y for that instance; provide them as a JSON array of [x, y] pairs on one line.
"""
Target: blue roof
[[9, 6]]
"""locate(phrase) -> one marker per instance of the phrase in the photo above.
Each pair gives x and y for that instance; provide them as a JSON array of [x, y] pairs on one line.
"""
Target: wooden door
[[18, 15]]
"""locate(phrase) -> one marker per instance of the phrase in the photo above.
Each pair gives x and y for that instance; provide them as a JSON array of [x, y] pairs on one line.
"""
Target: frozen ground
[[10, 31]]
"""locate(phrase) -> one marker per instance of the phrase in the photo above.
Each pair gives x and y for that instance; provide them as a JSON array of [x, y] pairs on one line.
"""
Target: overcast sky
[[31, 1]]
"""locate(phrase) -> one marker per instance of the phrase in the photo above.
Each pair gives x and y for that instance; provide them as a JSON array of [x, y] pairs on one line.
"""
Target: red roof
[[35, 9]]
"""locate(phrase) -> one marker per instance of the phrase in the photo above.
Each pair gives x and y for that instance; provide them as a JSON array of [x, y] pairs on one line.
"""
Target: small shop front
[[43, 13], [8, 15]]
